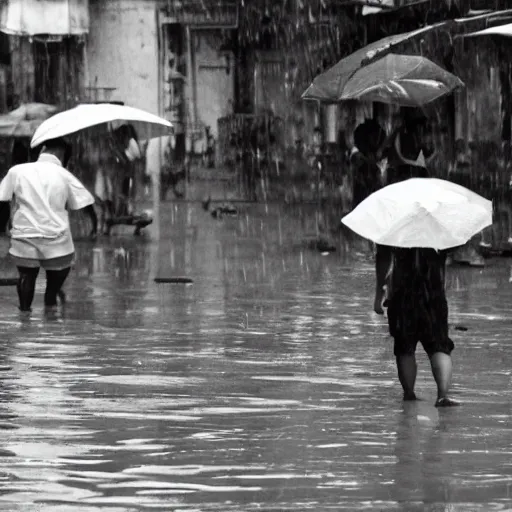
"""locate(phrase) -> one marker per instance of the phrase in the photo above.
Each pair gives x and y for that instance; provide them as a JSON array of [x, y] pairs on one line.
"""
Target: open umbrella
[[88, 115], [326, 86], [421, 212], [23, 121], [405, 80]]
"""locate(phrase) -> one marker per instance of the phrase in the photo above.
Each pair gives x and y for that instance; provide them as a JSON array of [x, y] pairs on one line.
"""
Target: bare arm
[[388, 141], [91, 213], [383, 259]]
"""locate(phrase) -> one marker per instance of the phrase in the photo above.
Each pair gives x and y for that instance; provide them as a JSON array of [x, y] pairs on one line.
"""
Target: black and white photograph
[[256, 255]]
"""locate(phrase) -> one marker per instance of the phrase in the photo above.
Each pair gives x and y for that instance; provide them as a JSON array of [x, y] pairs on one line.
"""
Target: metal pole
[[155, 189], [192, 102]]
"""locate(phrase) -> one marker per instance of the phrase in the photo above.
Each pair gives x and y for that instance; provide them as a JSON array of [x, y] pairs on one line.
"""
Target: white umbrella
[[421, 212], [87, 115]]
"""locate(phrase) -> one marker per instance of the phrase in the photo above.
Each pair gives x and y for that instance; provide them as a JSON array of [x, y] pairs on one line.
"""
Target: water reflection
[[268, 384]]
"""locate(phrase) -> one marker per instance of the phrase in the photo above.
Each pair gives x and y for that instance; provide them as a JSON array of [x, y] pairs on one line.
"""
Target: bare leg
[[441, 364], [54, 281], [26, 286], [62, 296], [407, 370], [484, 240], [108, 214]]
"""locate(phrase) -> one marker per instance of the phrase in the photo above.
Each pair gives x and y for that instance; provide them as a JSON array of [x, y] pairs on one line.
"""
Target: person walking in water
[[41, 234], [405, 151], [418, 312], [415, 280]]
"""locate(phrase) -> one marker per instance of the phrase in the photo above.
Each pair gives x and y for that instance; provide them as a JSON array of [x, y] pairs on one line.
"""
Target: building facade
[[42, 51], [167, 57]]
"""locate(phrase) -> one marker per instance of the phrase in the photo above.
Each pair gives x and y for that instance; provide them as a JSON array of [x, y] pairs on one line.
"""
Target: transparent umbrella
[[405, 80]]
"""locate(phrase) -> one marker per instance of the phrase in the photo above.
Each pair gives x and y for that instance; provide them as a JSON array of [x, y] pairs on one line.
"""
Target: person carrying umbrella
[[41, 235], [418, 311], [366, 173], [405, 151], [414, 217], [417, 221]]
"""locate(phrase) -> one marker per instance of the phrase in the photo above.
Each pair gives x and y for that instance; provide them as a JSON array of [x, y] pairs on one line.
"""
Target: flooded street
[[268, 384]]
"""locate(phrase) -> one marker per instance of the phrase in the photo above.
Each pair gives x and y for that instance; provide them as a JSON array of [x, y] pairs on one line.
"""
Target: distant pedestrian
[[414, 278], [408, 152], [117, 177], [406, 157], [418, 312], [366, 172], [41, 235]]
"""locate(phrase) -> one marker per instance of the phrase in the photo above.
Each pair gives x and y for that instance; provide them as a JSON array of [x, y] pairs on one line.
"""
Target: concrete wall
[[123, 54], [123, 51]]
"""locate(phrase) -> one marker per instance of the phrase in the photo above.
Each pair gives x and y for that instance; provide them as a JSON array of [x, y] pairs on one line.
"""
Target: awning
[[495, 17], [377, 6], [500, 30], [49, 17], [454, 28], [372, 8], [24, 121]]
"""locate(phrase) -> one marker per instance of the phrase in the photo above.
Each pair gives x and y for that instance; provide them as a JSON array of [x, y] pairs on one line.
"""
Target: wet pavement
[[268, 384]]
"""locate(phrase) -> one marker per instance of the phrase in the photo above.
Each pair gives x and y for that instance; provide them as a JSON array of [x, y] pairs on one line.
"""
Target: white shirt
[[42, 190]]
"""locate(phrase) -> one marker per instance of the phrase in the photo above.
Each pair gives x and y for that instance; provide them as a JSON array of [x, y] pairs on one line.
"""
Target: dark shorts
[[411, 322]]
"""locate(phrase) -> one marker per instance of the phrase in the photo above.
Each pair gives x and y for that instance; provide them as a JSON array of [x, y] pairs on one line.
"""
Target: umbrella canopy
[[327, 85], [88, 115], [23, 121], [405, 80], [421, 212]]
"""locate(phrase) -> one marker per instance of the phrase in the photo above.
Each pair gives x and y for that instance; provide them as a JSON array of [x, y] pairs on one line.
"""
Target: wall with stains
[[123, 51], [214, 78]]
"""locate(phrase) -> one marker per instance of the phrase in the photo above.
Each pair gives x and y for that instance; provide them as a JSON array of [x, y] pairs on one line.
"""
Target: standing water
[[268, 384]]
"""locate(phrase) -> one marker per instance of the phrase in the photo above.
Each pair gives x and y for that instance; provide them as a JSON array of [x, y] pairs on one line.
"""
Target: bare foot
[[446, 402]]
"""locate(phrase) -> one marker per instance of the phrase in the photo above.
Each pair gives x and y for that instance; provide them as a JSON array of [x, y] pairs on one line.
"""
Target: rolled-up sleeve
[[78, 196], [7, 187]]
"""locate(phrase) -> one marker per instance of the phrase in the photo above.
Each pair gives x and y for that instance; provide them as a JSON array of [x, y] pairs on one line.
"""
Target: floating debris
[[177, 279]]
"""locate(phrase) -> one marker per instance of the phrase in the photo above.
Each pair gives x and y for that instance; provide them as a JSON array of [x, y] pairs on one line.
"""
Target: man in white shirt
[[41, 235]]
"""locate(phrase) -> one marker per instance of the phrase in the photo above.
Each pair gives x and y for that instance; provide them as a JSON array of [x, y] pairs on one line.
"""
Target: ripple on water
[[148, 380], [188, 470], [177, 417], [177, 486], [203, 412]]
